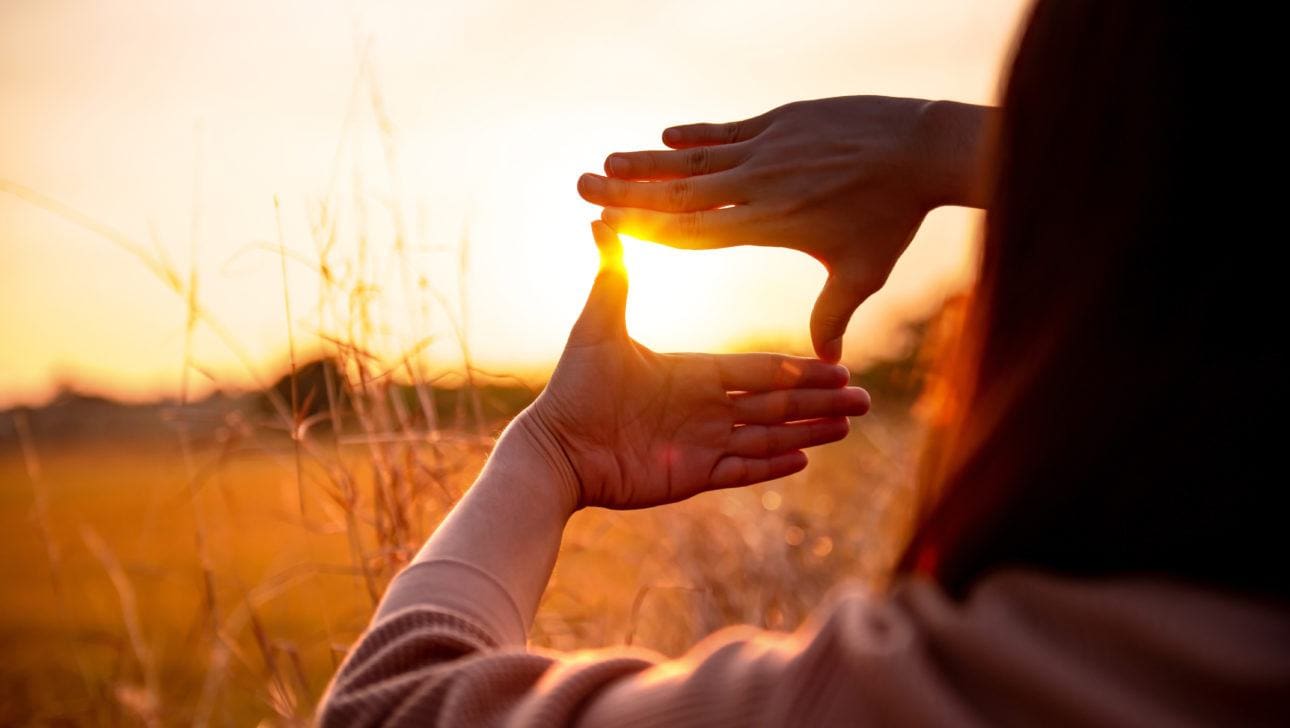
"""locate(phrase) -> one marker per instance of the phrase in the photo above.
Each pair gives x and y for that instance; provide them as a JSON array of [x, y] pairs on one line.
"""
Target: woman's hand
[[629, 428], [847, 180]]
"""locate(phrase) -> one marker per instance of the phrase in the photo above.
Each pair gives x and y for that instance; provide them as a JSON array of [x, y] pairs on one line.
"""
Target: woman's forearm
[[956, 140], [501, 539]]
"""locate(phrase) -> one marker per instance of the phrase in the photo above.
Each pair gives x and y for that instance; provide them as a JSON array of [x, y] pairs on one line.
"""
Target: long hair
[[1119, 359]]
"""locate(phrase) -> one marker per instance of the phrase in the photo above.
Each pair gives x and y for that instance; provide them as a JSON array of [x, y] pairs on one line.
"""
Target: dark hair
[[1119, 360]]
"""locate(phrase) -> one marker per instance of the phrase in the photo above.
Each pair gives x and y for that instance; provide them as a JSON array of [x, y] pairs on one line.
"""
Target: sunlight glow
[[440, 205]]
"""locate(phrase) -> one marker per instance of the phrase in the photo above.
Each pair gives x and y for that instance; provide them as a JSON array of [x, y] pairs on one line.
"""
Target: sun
[[677, 298]]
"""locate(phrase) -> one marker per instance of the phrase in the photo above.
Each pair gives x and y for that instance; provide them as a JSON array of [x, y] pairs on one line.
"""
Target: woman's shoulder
[[1149, 606], [1022, 648], [1025, 646], [1143, 610]]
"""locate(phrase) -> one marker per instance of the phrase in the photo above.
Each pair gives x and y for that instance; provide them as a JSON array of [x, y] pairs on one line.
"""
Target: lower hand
[[630, 428]]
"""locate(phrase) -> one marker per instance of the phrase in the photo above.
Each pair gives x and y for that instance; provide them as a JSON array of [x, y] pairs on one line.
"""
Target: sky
[[427, 153]]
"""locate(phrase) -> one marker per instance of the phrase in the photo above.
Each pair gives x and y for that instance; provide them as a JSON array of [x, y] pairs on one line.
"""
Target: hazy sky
[[177, 123]]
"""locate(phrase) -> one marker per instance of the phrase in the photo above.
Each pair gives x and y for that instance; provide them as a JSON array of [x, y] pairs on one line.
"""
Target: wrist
[[530, 446], [951, 141]]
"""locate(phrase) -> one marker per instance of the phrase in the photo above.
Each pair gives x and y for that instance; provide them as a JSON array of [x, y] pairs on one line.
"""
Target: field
[[215, 573]]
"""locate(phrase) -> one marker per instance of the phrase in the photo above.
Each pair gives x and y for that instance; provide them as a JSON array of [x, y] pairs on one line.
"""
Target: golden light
[[123, 116], [669, 294]]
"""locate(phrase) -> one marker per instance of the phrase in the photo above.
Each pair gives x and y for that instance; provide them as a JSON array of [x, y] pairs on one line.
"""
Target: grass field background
[[156, 577]]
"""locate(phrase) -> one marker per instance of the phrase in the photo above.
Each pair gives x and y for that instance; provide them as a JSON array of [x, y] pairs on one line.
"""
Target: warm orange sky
[[177, 123]]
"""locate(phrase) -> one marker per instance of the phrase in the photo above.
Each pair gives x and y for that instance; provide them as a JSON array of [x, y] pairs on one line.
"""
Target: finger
[[680, 195], [671, 164], [789, 405], [606, 309], [763, 441], [764, 372], [698, 135], [696, 230], [733, 471], [833, 309]]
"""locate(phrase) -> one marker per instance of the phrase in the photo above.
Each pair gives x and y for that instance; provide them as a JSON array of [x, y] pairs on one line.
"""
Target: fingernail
[[588, 183], [671, 136], [619, 166], [832, 350]]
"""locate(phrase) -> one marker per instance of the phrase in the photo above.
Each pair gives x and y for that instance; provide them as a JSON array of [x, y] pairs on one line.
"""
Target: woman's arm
[[958, 140], [618, 426], [491, 557], [847, 180]]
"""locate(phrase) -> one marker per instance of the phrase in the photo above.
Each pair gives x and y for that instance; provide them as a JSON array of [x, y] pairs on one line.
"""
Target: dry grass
[[142, 622]]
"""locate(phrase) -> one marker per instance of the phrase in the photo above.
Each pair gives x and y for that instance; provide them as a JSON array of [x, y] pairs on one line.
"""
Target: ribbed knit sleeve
[[1024, 649], [424, 666]]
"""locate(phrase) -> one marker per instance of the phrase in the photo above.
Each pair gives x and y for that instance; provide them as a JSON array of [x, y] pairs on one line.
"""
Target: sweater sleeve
[[1024, 649], [446, 648]]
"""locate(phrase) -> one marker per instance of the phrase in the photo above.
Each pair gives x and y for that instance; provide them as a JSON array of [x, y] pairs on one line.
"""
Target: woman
[[1097, 543]]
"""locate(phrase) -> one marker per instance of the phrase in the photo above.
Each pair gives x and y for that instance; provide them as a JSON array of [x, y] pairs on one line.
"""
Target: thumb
[[839, 299], [606, 309]]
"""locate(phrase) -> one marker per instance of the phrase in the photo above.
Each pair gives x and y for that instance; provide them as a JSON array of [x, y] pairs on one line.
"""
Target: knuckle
[[816, 432], [690, 224], [679, 194], [832, 318], [821, 432], [735, 472], [648, 164], [698, 161], [784, 406], [616, 189], [774, 442], [831, 327], [763, 172], [794, 205], [867, 285], [781, 373], [732, 131]]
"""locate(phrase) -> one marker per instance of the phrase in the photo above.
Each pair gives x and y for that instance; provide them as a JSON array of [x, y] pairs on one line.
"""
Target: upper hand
[[847, 180], [632, 428]]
